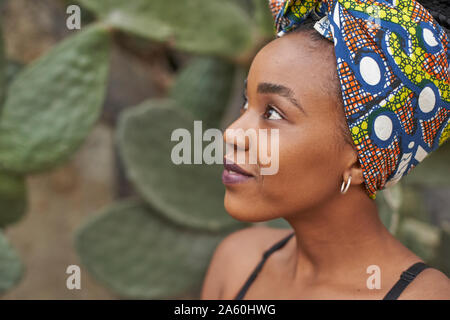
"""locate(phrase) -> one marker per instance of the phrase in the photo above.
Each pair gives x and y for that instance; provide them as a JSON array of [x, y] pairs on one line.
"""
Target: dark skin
[[337, 236]]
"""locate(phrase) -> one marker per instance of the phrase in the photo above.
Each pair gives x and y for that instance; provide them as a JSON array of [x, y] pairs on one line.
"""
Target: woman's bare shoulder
[[430, 284], [235, 258]]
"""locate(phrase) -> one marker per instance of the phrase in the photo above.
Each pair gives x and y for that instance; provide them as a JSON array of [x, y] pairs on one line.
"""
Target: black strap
[[258, 268], [405, 279]]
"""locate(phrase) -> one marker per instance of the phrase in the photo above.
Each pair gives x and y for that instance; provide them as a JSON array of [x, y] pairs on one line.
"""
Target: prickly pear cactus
[[138, 254], [203, 88], [13, 198], [52, 104], [443, 251], [420, 237], [208, 27], [10, 265], [433, 170], [191, 195], [3, 66], [49, 109]]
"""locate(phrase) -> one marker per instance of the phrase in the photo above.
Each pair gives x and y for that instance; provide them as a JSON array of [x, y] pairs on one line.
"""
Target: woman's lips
[[233, 173]]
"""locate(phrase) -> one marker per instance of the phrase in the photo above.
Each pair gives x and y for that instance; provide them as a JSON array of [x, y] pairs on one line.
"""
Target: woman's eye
[[272, 114]]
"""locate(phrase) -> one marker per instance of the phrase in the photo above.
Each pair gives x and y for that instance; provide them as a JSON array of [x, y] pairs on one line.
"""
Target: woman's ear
[[356, 173], [354, 169]]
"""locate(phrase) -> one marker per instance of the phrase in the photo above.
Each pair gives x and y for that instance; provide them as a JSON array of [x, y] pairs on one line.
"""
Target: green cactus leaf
[[12, 69], [443, 251], [189, 194], [52, 104], [139, 254], [384, 211], [419, 237], [209, 27], [413, 204], [13, 198], [10, 265], [3, 69], [246, 5], [263, 18], [279, 223], [204, 88], [433, 170]]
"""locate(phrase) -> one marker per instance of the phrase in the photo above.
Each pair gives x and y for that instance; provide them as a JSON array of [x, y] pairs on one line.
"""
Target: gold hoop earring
[[344, 189]]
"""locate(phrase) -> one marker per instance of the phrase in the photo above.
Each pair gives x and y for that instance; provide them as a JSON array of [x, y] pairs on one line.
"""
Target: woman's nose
[[237, 136]]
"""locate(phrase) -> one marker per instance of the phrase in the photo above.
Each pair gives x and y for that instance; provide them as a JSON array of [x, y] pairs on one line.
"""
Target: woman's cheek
[[296, 181]]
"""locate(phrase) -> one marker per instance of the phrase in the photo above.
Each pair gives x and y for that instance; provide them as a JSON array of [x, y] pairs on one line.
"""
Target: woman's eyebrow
[[266, 87]]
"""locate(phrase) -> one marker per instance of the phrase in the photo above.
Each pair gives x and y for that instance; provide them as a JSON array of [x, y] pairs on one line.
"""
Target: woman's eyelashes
[[270, 113], [245, 103]]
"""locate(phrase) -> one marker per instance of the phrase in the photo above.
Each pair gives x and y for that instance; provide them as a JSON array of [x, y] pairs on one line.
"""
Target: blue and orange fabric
[[393, 65]]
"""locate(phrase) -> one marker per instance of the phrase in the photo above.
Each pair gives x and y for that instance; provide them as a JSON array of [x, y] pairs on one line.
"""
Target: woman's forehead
[[292, 60]]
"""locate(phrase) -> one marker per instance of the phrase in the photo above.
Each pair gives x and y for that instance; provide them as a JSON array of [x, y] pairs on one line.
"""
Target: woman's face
[[288, 88]]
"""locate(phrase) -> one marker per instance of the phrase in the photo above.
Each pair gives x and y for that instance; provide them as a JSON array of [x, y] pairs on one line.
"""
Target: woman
[[352, 119]]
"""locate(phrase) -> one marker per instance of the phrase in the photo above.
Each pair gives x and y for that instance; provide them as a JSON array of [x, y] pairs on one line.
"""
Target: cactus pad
[[52, 104], [139, 254]]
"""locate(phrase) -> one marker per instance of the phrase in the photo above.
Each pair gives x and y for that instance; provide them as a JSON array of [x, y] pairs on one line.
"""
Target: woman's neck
[[339, 238]]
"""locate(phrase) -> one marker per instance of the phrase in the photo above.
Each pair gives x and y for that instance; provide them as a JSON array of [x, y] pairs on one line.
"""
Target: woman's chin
[[240, 208], [237, 208]]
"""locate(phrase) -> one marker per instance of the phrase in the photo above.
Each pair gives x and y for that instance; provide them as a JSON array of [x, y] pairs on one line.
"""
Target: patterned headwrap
[[393, 65]]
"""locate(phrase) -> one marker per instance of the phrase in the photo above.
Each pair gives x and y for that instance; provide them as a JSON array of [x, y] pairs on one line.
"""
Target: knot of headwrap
[[393, 66]]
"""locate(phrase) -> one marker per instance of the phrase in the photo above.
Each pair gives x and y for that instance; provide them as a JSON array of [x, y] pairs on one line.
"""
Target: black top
[[405, 278]]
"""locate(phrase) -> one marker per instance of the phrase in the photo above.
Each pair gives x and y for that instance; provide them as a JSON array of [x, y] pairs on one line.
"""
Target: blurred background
[[85, 172]]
